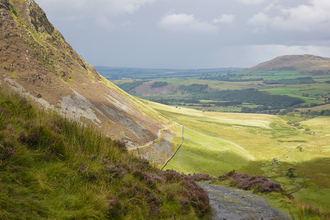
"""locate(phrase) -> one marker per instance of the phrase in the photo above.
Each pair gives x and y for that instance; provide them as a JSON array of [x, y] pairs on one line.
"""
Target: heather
[[247, 182], [52, 167], [273, 192]]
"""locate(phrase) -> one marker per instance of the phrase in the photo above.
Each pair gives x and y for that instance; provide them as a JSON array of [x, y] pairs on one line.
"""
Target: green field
[[216, 143], [315, 92], [200, 152], [113, 73], [312, 90]]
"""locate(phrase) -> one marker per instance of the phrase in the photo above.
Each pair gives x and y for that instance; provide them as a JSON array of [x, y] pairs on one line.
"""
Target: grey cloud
[[91, 8], [302, 18], [187, 23], [190, 33], [251, 2], [225, 18]]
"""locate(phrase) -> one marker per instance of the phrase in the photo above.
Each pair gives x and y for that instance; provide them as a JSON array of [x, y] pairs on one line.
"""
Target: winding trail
[[236, 204], [151, 142], [296, 190], [278, 163], [293, 179], [175, 150]]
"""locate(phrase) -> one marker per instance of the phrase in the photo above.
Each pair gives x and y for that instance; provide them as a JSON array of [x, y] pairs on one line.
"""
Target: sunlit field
[[200, 152], [252, 141]]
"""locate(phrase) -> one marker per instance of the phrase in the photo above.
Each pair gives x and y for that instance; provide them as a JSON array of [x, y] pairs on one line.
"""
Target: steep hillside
[[304, 63], [55, 168], [36, 61]]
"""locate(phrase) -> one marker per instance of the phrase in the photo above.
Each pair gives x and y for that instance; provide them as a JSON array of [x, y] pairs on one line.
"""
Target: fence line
[[175, 151]]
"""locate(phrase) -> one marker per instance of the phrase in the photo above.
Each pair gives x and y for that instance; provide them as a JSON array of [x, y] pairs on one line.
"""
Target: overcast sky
[[191, 33]]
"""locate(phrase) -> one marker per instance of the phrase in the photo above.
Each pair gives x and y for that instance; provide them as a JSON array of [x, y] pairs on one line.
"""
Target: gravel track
[[236, 204]]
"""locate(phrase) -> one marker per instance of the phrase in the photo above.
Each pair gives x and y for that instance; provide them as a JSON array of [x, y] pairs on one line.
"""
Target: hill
[[304, 63], [37, 62], [55, 168]]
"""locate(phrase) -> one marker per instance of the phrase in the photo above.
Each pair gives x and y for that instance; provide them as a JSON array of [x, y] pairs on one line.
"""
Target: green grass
[[269, 74], [201, 153], [314, 90], [264, 137], [140, 73], [317, 92], [54, 168]]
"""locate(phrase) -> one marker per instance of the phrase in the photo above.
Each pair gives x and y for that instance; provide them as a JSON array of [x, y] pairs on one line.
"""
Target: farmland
[[311, 90]]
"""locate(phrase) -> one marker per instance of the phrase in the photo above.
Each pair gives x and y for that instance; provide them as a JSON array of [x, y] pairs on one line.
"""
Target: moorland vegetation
[[53, 167], [290, 150]]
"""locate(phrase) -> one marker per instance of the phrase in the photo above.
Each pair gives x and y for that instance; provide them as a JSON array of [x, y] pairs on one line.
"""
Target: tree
[[290, 172]]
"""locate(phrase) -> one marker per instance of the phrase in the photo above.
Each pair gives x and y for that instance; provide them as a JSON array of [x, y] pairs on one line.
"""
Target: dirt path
[[236, 204], [151, 142], [276, 161]]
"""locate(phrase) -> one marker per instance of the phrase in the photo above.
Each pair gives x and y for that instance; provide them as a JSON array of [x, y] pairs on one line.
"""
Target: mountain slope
[[36, 61], [54, 168], [305, 63]]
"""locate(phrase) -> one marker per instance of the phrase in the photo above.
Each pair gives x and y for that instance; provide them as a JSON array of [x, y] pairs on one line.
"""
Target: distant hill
[[37, 62], [304, 63]]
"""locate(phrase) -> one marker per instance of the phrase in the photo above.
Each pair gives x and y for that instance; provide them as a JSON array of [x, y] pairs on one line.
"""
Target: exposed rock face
[[304, 63], [36, 61]]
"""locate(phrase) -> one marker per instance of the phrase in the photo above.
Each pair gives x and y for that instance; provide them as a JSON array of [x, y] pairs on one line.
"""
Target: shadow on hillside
[[316, 170]]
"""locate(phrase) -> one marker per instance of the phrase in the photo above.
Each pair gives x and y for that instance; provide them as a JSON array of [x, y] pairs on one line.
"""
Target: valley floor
[[267, 145]]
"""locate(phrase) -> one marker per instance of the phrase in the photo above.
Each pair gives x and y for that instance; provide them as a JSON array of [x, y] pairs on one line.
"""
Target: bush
[[192, 194], [247, 182]]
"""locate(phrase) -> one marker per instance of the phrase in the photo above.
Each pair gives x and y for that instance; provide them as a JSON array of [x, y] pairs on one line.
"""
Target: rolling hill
[[304, 63], [37, 62]]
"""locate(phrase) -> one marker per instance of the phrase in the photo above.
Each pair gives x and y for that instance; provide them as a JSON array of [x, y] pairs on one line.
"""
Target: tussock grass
[[54, 168]]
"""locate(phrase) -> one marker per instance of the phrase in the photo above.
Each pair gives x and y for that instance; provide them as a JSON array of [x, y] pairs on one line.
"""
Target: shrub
[[203, 177], [309, 211], [6, 152], [247, 182], [227, 175], [192, 193]]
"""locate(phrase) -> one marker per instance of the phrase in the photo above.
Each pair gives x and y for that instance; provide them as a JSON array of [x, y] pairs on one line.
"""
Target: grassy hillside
[[271, 146], [201, 153], [37, 62], [55, 168]]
